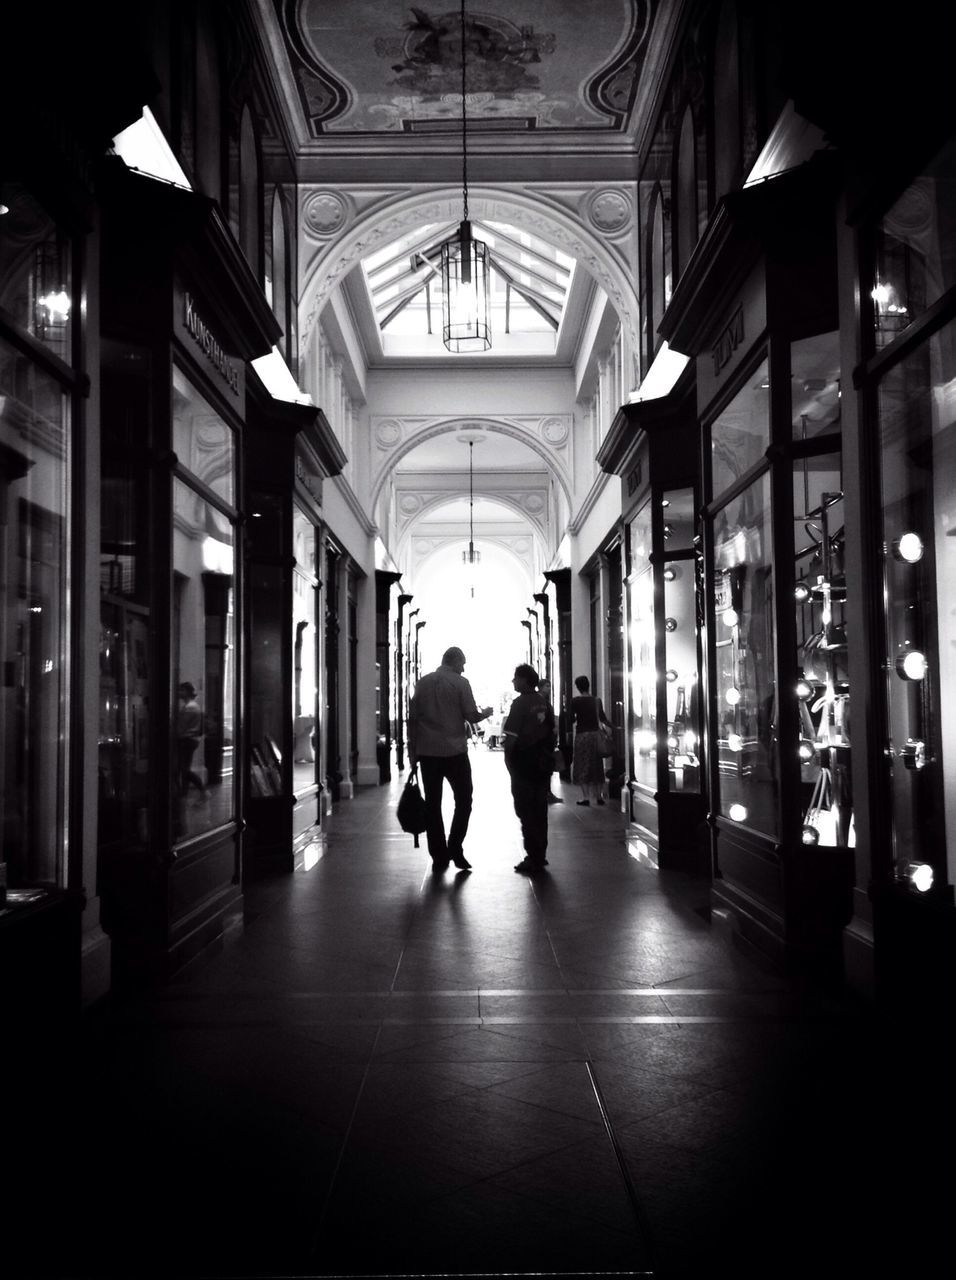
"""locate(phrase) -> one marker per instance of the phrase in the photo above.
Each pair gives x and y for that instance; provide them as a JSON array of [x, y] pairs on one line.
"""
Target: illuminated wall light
[[735, 742], [807, 750], [804, 690], [670, 572], [731, 617], [670, 675], [801, 593], [670, 624], [732, 696], [911, 665], [665, 502], [737, 812], [920, 876], [908, 547]]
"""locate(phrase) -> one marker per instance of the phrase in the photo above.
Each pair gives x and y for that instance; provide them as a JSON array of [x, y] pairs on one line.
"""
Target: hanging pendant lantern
[[466, 324]]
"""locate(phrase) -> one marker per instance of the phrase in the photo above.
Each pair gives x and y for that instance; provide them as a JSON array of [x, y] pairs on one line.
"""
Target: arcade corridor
[[384, 1073]]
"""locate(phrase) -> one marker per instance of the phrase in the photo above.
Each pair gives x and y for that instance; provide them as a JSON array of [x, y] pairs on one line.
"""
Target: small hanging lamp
[[471, 556], [466, 325]]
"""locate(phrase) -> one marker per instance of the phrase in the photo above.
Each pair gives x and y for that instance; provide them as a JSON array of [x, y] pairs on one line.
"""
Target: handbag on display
[[411, 811], [821, 821]]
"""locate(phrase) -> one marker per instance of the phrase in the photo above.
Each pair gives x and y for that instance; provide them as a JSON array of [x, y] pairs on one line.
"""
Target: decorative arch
[[362, 233], [445, 425]]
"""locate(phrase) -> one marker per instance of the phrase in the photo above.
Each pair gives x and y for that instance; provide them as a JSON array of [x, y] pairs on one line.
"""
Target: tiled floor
[[387, 1073]]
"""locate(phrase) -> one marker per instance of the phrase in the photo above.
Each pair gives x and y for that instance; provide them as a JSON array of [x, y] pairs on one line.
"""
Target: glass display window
[[915, 258], [305, 650], [35, 476], [203, 711], [917, 423], [744, 646], [203, 441], [820, 594], [680, 675], [740, 434], [643, 664], [36, 271]]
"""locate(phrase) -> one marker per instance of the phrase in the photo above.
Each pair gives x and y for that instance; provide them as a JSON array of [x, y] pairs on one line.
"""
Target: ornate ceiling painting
[[367, 67]]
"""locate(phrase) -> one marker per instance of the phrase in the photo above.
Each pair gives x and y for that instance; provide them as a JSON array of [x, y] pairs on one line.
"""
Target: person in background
[[188, 738], [587, 767], [544, 688], [529, 756], [439, 714]]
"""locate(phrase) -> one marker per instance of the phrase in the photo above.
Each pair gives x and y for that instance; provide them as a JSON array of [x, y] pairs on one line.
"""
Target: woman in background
[[587, 768]]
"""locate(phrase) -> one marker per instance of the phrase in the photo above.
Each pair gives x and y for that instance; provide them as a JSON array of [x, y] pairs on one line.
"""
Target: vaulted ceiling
[[558, 93]]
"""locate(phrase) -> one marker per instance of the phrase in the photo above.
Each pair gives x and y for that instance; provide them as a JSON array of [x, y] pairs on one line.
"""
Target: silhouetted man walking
[[441, 708], [529, 755]]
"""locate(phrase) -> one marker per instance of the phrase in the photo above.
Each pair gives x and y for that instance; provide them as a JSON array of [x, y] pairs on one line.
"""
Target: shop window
[[305, 652], [917, 417], [35, 470], [125, 656], [643, 662], [820, 595], [915, 258], [202, 441], [680, 642], [203, 710], [36, 272], [744, 651], [740, 435]]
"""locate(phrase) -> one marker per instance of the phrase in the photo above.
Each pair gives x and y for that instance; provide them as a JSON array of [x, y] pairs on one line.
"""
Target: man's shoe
[[584, 802], [555, 800], [438, 867], [528, 868], [462, 863]]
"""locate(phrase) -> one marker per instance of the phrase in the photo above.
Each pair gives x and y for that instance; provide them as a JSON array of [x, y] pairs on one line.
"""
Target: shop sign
[[209, 345], [728, 340], [635, 478]]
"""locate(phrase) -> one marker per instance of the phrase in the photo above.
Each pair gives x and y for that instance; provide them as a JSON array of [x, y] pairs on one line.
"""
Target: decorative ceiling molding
[[419, 548], [530, 502], [529, 207], [394, 436]]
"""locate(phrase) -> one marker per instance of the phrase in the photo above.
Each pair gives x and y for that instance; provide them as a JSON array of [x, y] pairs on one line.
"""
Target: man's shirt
[[437, 713]]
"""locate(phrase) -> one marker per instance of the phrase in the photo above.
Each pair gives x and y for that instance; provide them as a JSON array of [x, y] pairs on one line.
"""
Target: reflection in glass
[[642, 664], [914, 261], [739, 436], [917, 412], [681, 690], [202, 440], [204, 677], [746, 694], [36, 271], [35, 461], [304, 660]]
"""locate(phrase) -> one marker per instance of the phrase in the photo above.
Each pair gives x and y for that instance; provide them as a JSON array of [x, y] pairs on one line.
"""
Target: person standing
[[587, 767], [529, 755], [544, 688], [439, 712]]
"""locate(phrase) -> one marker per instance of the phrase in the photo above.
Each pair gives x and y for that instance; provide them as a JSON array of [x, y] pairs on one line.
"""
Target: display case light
[[809, 835], [908, 547], [735, 742], [911, 665], [670, 572], [731, 617], [737, 812], [801, 593], [670, 675], [920, 875], [807, 751], [732, 696], [670, 624], [804, 690]]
